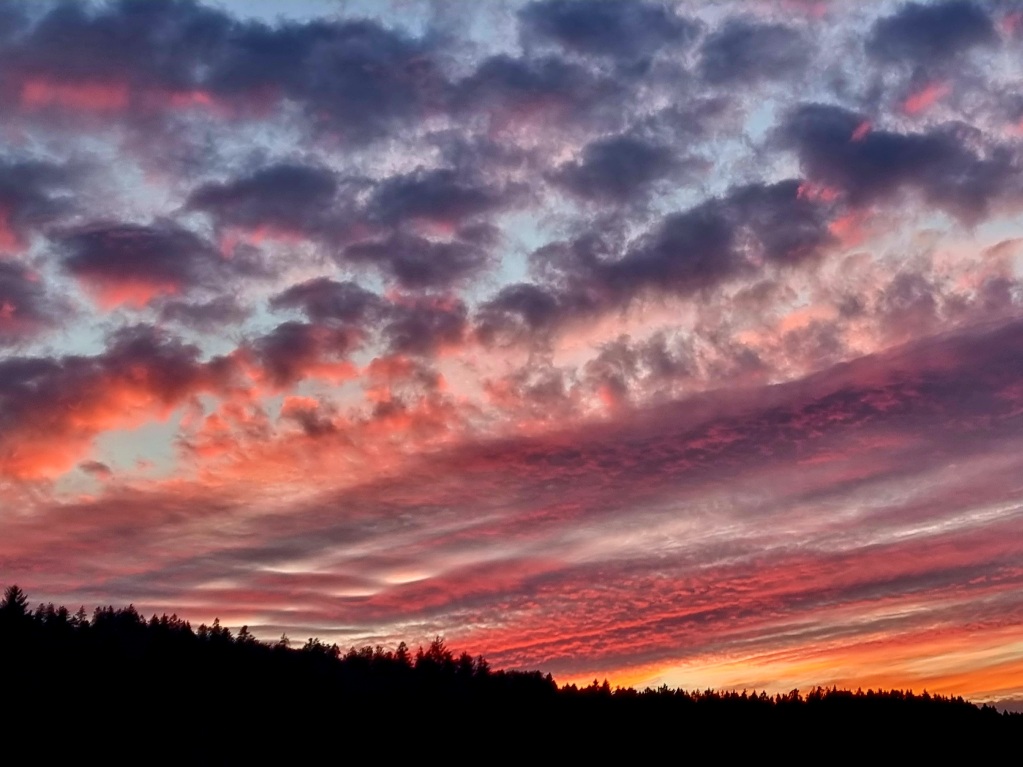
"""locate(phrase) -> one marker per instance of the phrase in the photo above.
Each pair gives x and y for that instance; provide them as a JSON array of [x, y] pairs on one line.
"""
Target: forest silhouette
[[113, 679]]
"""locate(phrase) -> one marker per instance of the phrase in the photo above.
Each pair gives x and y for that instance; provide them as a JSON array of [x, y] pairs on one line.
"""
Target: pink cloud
[[861, 131], [40, 93], [922, 100]]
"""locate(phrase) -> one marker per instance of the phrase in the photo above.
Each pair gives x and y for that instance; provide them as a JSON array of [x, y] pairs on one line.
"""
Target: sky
[[668, 343]]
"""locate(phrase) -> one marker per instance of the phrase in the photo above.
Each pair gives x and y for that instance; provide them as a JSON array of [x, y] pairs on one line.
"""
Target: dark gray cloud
[[292, 197], [26, 309], [33, 194], [944, 165], [294, 350], [343, 314], [324, 300], [418, 262], [931, 33], [312, 202], [155, 44], [357, 78], [96, 469], [424, 325], [549, 90], [709, 242], [180, 365], [437, 195], [519, 311], [208, 316], [620, 29], [163, 256], [616, 169], [741, 51], [684, 253], [447, 206], [315, 420]]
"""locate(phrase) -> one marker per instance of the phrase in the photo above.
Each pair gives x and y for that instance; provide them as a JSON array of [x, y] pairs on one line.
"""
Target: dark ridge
[[124, 688]]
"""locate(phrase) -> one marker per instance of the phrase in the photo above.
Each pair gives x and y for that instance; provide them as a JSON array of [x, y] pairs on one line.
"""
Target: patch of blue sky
[[273, 11], [149, 450], [490, 26], [1004, 229], [523, 231], [760, 119]]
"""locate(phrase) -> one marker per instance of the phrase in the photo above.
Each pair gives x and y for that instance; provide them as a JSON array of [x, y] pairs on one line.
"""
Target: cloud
[[315, 418], [616, 169], [33, 195], [530, 323], [406, 323], [297, 201], [624, 367], [356, 77], [519, 310], [841, 463], [922, 100], [52, 408], [323, 299], [26, 308], [293, 351], [929, 34], [751, 224], [683, 253], [743, 52], [114, 46], [134, 264], [208, 316], [418, 262], [519, 92], [286, 197], [96, 469], [438, 196], [942, 165], [615, 29], [425, 325]]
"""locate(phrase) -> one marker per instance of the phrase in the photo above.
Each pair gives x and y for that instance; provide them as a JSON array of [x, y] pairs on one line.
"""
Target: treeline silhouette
[[74, 677]]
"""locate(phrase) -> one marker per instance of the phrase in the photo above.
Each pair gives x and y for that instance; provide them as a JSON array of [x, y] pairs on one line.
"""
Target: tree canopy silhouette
[[204, 687]]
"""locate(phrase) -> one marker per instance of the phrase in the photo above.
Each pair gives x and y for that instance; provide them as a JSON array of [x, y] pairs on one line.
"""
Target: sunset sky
[[671, 343]]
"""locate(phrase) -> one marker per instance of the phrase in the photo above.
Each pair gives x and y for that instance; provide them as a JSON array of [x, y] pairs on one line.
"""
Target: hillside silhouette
[[114, 679]]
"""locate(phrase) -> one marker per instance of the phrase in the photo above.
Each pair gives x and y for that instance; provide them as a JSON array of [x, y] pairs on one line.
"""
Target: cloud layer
[[665, 342]]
